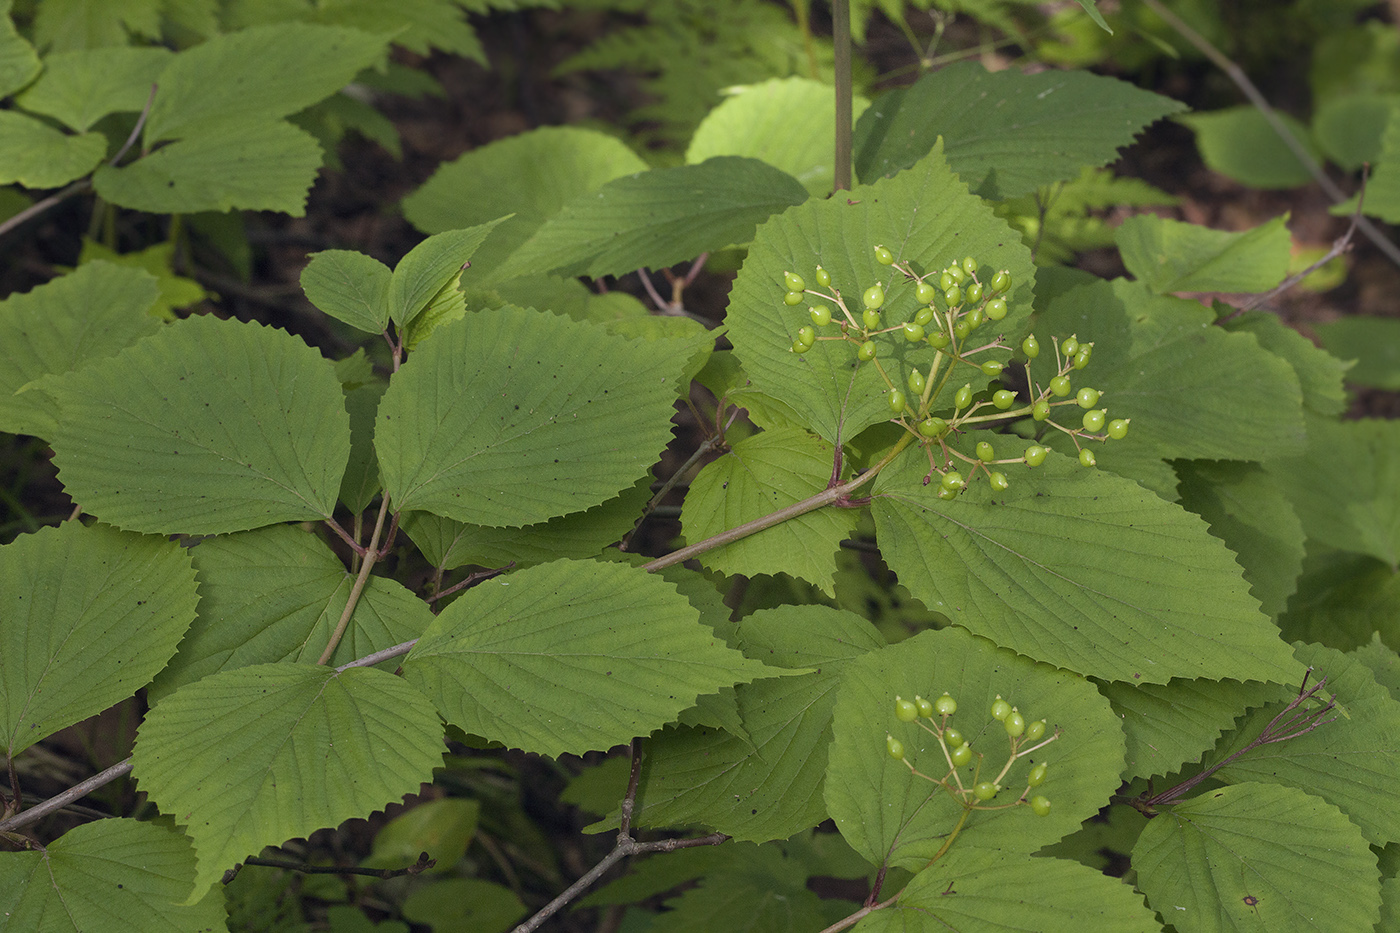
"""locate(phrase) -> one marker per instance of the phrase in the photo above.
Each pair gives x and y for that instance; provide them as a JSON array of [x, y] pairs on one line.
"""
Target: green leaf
[[1240, 143], [1383, 189], [360, 484], [1319, 373], [894, 818], [504, 394], [1349, 128], [767, 785], [249, 166], [464, 904], [349, 286], [442, 828], [1258, 857], [80, 88], [1373, 342], [1361, 514], [759, 475], [431, 268], [756, 895], [1168, 725], [1192, 390], [38, 156], [1172, 256], [176, 291], [87, 617], [450, 544], [1006, 133], [1382, 661], [18, 62], [277, 594], [1351, 762], [824, 389], [532, 175], [250, 758], [570, 656], [417, 25], [220, 426], [996, 892], [1343, 599], [84, 24], [106, 875], [786, 122], [1081, 569], [1095, 15], [62, 325], [1247, 509], [658, 218], [256, 76]]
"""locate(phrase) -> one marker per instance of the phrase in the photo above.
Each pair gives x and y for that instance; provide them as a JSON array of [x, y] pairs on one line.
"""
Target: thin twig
[[474, 577], [418, 867], [59, 801], [371, 558]]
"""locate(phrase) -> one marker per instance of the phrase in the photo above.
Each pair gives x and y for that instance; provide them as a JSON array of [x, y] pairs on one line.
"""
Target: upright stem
[[371, 558], [841, 40]]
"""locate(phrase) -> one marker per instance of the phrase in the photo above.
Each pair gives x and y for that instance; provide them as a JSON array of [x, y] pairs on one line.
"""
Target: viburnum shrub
[[314, 565]]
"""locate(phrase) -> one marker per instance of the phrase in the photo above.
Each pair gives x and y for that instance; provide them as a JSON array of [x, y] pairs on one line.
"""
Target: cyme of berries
[[966, 773]]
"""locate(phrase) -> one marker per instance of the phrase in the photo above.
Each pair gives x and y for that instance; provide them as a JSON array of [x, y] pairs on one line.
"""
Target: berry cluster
[[973, 790], [951, 305]]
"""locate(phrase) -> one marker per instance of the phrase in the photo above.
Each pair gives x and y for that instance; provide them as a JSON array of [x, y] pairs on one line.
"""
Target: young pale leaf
[[531, 175], [443, 828], [1351, 762], [1172, 256], [1006, 133], [786, 122], [769, 785], [36, 155], [430, 268], [1081, 569], [349, 286], [1258, 857], [80, 88], [248, 166], [463, 904], [1169, 724], [87, 617], [570, 656], [759, 475], [927, 219], [1373, 342], [218, 426], [250, 758], [1240, 143], [1003, 892], [1247, 509], [277, 594], [91, 313], [894, 818], [1361, 514], [256, 76], [117, 875], [506, 394], [658, 218]]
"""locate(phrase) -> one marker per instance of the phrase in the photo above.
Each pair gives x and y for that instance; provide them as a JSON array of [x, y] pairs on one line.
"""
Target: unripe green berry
[[1118, 428], [883, 256], [961, 756], [1000, 708], [793, 281], [969, 265], [1035, 455], [924, 707], [792, 299], [939, 340], [1037, 775], [1001, 281], [954, 738], [924, 316], [993, 368], [867, 351], [953, 296], [998, 481], [953, 480], [985, 790], [799, 347], [807, 335], [974, 318], [1081, 359], [870, 318], [1040, 410], [947, 495], [905, 710], [874, 296], [961, 328], [1093, 419], [1040, 806], [895, 747], [820, 316], [973, 293], [1003, 399], [996, 309], [1060, 386], [1035, 731], [1015, 724], [923, 293], [945, 705], [985, 453], [956, 271], [1086, 457], [896, 400], [913, 332], [933, 427], [1069, 346], [946, 281], [823, 277], [963, 397], [1031, 347], [1087, 397], [915, 382]]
